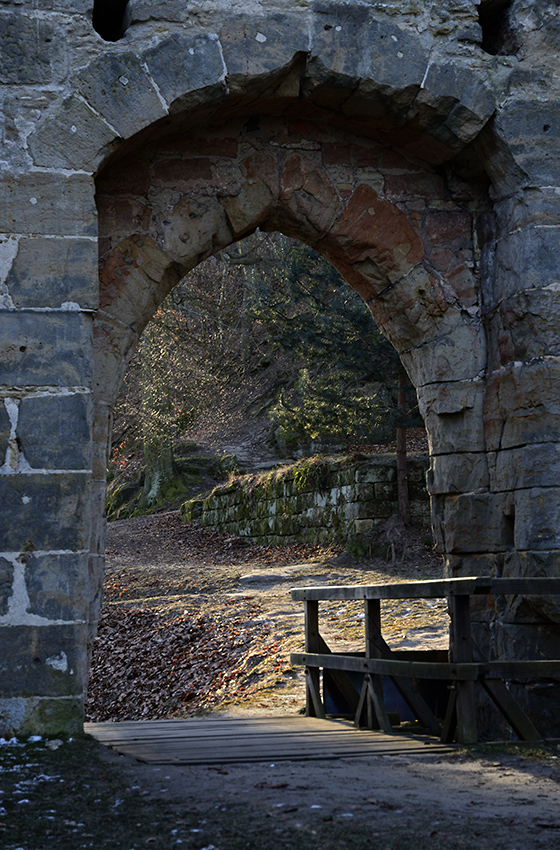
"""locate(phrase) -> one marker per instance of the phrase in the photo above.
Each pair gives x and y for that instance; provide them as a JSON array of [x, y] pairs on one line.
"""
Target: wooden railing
[[465, 668]]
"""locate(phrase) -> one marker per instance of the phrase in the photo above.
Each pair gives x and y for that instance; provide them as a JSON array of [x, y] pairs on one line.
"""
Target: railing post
[[375, 707], [461, 650], [313, 704]]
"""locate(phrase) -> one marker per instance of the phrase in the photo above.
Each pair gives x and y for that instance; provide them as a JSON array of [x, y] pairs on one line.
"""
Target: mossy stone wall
[[319, 500]]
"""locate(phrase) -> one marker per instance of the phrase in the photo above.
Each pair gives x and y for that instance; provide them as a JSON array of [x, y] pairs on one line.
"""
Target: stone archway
[[350, 127], [388, 222]]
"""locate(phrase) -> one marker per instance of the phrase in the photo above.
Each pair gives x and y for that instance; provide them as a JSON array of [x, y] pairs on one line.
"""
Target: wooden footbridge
[[217, 740], [464, 668]]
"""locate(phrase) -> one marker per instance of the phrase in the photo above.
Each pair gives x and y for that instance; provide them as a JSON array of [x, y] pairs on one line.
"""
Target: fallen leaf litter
[[184, 631]]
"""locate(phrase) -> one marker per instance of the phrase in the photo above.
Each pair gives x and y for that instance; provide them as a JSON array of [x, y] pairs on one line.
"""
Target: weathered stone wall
[[320, 501], [413, 147]]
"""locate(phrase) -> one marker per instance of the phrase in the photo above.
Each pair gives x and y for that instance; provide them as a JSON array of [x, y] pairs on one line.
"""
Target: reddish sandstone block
[[181, 174], [307, 194], [445, 226], [368, 157], [414, 184], [119, 216], [200, 147], [336, 154], [371, 228]]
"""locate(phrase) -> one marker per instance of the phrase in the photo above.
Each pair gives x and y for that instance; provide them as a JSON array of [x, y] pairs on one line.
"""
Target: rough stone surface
[[423, 166], [43, 59], [53, 431], [53, 352], [57, 586], [188, 69], [52, 273], [43, 661], [44, 512], [47, 203]]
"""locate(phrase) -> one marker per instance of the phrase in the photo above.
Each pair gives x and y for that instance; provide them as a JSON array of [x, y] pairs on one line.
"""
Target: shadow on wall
[[109, 18]]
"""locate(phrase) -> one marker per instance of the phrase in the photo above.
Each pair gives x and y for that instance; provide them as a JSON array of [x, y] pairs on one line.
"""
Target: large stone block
[[394, 67], [197, 226], [121, 91], [455, 101], [42, 203], [372, 230], [258, 195], [42, 512], [531, 129], [54, 431], [73, 137], [522, 260], [258, 52], [534, 465], [476, 522], [188, 69], [58, 586], [510, 642], [528, 208], [453, 413], [45, 349], [53, 272], [363, 61], [526, 326], [461, 472], [479, 564], [458, 352], [522, 404], [308, 200], [537, 518], [33, 50], [43, 660], [544, 564]]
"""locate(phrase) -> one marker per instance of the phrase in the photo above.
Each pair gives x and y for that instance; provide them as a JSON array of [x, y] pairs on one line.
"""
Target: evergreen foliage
[[268, 325], [346, 375]]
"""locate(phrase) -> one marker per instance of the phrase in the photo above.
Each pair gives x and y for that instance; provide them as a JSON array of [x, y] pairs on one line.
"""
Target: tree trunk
[[402, 480], [157, 422]]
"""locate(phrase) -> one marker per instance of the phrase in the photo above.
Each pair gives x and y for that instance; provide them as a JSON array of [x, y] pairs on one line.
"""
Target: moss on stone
[[317, 500]]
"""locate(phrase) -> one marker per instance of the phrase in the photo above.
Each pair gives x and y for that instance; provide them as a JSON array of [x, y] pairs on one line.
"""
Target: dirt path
[[168, 583]]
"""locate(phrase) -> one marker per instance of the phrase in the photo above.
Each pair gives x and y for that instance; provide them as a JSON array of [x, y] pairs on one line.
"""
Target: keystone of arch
[[369, 74]]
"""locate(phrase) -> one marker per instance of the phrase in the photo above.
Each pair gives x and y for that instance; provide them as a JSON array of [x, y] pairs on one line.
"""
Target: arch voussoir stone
[[262, 50], [110, 83], [188, 69], [74, 137], [374, 68]]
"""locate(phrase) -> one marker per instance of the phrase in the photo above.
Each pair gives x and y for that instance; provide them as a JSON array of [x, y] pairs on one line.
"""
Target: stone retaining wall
[[320, 501]]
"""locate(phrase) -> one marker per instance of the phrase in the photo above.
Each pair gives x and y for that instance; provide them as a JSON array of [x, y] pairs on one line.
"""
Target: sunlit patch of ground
[[194, 621]]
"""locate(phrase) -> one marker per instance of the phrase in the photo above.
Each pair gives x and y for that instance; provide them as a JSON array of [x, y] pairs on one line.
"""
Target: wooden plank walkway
[[208, 741]]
